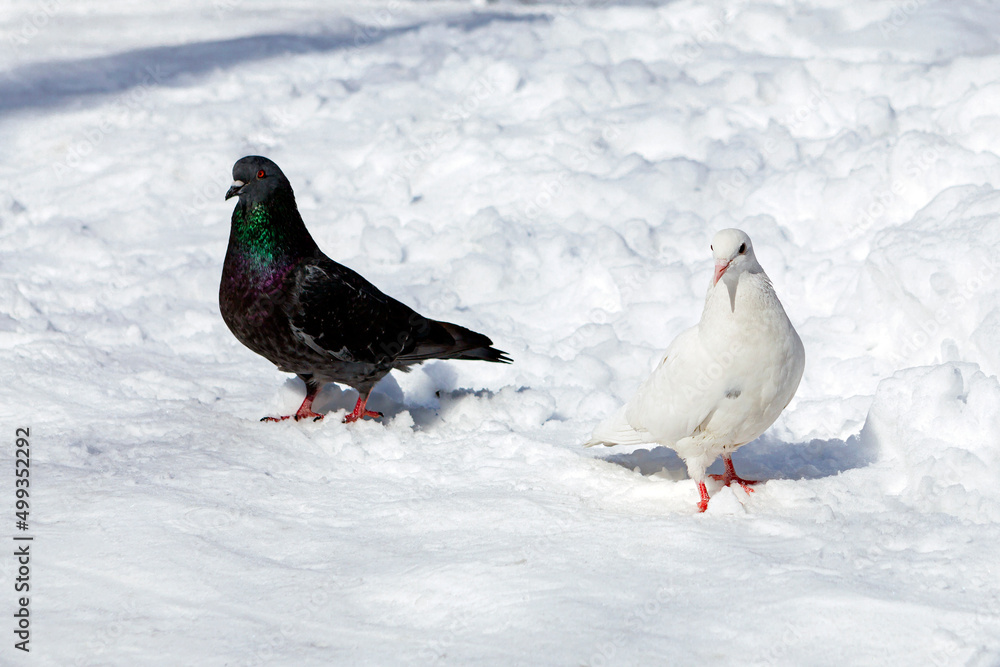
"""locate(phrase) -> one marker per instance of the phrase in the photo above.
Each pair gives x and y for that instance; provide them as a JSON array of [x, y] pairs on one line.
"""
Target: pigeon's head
[[255, 179], [733, 254]]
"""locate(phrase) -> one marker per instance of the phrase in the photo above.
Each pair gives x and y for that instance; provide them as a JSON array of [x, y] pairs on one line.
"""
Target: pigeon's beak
[[235, 190], [720, 267]]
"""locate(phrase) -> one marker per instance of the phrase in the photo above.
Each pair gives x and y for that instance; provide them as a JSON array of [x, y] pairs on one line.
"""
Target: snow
[[550, 175]]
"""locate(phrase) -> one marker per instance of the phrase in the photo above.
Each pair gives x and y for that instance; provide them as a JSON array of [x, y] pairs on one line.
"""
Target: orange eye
[[260, 174]]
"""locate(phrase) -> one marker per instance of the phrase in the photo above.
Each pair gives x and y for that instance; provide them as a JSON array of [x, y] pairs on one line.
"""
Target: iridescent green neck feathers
[[269, 235]]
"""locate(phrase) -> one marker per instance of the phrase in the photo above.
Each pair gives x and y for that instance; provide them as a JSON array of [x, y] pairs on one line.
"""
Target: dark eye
[[743, 248], [260, 174], [711, 247]]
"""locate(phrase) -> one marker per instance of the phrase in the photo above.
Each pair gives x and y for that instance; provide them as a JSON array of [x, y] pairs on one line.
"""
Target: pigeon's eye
[[260, 174], [743, 248], [711, 247]]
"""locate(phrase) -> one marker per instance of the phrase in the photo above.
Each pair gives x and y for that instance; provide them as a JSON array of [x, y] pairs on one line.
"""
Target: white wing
[[681, 394], [678, 397]]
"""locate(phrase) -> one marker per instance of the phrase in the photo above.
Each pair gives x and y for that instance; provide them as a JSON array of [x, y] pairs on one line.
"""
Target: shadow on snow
[[53, 83], [388, 398], [763, 459]]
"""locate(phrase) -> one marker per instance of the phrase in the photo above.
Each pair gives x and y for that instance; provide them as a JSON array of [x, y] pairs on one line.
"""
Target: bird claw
[[309, 415], [298, 416], [355, 416], [360, 412], [728, 479], [730, 476]]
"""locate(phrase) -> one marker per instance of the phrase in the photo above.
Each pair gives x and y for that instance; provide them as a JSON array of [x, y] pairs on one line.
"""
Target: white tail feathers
[[615, 430]]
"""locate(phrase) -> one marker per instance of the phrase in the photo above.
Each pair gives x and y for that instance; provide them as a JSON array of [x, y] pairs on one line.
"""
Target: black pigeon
[[288, 302]]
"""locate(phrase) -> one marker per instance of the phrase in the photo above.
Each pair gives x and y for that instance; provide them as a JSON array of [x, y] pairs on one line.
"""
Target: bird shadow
[[56, 82], [389, 399], [763, 459], [425, 416]]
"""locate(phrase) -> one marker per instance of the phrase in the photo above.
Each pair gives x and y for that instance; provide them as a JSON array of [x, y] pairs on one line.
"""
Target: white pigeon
[[722, 382]]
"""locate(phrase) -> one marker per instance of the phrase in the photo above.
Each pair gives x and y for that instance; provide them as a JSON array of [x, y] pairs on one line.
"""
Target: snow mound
[[936, 429]]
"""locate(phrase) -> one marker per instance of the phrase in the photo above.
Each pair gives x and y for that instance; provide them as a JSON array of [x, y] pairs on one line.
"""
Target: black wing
[[335, 311]]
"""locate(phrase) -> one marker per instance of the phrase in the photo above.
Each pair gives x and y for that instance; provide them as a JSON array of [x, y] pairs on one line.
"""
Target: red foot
[[307, 413], [275, 419], [304, 412], [730, 476], [360, 412], [703, 503]]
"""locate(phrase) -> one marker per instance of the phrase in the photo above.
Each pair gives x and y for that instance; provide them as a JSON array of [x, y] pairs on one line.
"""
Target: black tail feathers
[[445, 340], [471, 345]]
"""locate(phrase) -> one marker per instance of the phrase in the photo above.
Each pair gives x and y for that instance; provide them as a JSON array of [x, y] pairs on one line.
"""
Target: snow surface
[[551, 175]]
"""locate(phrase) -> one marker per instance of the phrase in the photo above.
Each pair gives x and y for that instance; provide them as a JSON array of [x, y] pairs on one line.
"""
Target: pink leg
[[359, 410], [703, 503], [304, 411], [730, 475]]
